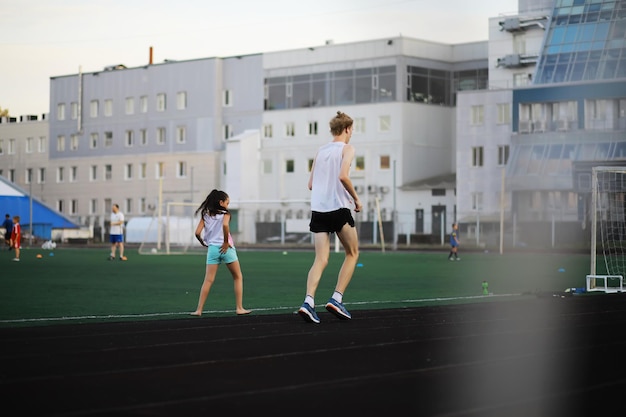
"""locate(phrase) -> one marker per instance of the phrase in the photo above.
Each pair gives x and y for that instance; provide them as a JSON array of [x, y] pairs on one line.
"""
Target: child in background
[[213, 232], [16, 237]]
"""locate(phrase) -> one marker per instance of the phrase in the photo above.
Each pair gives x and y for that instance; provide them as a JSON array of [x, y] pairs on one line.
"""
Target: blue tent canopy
[[15, 202]]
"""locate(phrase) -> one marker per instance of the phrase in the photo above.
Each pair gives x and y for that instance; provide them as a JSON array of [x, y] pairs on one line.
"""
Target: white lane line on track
[[263, 309]]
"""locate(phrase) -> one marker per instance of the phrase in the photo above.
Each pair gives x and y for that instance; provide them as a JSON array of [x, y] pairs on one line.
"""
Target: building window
[[476, 118], [385, 162], [41, 176], [108, 139], [41, 145], [181, 169], [1, 146], [142, 205], [143, 167], [130, 105], [384, 123], [477, 201], [73, 174], [29, 145], [160, 136], [61, 111], [29, 175], [130, 138], [267, 131], [74, 142], [60, 206], [74, 110], [160, 102], [438, 192], [12, 175], [504, 113], [143, 103], [93, 206], [227, 98], [181, 100], [160, 170], [128, 205], [93, 108], [181, 134], [228, 131], [289, 165], [310, 164], [108, 107], [359, 163], [312, 128], [128, 171], [11, 150], [93, 140], [60, 143], [358, 125], [108, 172], [290, 129], [477, 156], [143, 137], [503, 155], [60, 174], [93, 173], [73, 206]]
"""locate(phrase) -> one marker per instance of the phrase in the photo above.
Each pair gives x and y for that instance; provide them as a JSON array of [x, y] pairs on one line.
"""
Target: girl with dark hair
[[213, 232]]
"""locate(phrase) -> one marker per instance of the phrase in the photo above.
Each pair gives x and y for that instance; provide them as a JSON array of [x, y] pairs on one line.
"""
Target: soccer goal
[[608, 229], [171, 232]]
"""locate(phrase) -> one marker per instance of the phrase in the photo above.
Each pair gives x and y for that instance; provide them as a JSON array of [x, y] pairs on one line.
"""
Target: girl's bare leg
[[235, 270], [209, 279]]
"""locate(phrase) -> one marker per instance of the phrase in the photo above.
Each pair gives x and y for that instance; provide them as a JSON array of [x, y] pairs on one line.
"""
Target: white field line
[[261, 309]]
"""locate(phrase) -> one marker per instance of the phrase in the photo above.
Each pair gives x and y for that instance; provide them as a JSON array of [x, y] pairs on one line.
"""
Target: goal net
[[172, 231], [608, 229]]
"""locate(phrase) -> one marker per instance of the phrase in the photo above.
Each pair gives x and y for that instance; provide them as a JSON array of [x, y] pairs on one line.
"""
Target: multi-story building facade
[[251, 125], [525, 147]]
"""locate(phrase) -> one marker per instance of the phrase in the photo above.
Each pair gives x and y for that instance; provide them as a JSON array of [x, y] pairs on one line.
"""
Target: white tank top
[[328, 193], [213, 232]]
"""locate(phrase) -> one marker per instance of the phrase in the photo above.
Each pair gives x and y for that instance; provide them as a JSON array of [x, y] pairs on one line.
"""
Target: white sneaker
[[458, 259], [16, 259]]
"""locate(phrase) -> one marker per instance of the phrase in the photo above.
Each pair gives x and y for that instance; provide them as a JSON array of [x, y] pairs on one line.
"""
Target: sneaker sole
[[307, 316], [337, 312]]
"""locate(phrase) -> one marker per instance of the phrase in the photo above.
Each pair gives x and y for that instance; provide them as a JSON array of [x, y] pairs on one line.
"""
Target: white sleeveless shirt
[[213, 231], [327, 192]]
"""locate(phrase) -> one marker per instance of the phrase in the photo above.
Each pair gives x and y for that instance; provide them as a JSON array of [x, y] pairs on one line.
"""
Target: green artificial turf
[[81, 285]]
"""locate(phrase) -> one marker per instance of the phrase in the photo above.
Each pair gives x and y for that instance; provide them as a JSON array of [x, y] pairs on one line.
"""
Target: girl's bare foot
[[242, 312], [196, 313]]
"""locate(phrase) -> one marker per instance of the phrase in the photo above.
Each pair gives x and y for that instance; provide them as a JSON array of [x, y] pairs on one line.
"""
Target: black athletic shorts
[[331, 221]]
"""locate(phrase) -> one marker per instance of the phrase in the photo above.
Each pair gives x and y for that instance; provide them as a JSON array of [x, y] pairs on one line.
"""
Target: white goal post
[[608, 229]]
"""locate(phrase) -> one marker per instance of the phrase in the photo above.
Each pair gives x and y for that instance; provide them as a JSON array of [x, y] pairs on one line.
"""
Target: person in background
[[16, 237], [8, 228], [117, 232], [454, 243], [213, 232], [332, 197]]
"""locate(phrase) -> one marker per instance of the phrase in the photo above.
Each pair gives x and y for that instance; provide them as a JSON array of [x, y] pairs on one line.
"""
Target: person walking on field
[[16, 237], [8, 228], [332, 197], [213, 232], [117, 232], [454, 243]]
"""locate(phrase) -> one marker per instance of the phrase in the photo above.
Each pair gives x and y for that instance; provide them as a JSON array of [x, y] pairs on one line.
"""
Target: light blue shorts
[[213, 255]]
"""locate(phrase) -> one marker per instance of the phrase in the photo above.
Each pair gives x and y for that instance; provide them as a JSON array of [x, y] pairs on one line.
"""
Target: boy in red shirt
[[16, 237]]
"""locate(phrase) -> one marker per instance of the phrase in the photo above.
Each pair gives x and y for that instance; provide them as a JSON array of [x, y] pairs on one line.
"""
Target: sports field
[[83, 336], [81, 285]]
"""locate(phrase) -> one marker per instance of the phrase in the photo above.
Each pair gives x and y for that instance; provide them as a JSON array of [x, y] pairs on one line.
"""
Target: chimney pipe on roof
[[150, 63]]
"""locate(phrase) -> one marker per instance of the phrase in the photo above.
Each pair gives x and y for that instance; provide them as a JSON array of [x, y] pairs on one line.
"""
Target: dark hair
[[339, 123], [211, 204]]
